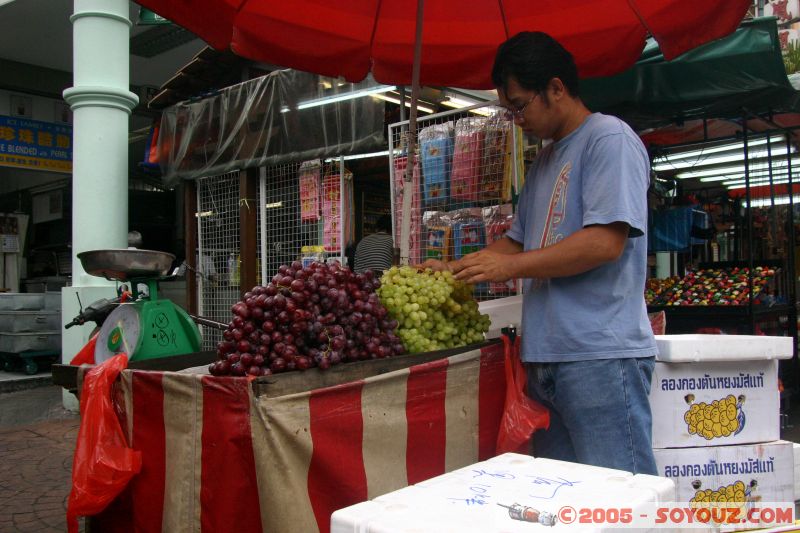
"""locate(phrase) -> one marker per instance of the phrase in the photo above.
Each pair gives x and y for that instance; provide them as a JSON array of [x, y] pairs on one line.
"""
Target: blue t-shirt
[[598, 174]]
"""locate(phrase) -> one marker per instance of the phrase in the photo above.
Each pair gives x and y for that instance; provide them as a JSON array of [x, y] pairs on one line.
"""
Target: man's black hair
[[534, 58], [384, 223]]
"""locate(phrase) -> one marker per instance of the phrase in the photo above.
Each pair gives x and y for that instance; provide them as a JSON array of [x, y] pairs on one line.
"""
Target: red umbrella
[[350, 38], [444, 42]]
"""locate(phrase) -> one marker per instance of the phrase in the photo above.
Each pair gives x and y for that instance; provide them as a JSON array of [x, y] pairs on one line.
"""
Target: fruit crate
[[717, 285]]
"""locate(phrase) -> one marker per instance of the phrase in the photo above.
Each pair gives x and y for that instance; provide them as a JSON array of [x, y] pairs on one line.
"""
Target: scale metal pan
[[124, 264]]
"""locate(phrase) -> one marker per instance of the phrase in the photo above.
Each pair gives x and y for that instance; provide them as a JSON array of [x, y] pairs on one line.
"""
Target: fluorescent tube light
[[738, 145], [384, 153], [394, 100], [457, 102], [779, 200], [738, 169], [740, 184], [341, 97], [675, 165]]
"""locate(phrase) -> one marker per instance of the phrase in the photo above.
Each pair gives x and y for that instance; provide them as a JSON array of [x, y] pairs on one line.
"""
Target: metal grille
[[466, 176], [290, 220], [218, 250]]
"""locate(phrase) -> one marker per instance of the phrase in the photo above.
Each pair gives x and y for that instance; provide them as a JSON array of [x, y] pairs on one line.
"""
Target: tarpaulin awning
[[716, 80]]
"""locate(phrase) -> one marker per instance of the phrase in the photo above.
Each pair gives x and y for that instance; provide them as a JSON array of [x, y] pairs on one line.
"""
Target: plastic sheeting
[[283, 117]]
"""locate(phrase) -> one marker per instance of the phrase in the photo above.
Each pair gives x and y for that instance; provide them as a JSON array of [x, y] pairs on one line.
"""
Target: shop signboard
[[37, 145]]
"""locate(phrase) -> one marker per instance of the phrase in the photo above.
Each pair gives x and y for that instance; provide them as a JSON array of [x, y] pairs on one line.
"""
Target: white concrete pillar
[[101, 103]]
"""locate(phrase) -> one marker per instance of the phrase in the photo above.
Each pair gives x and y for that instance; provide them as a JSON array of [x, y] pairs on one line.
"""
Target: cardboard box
[[476, 498], [755, 472], [716, 389], [719, 403]]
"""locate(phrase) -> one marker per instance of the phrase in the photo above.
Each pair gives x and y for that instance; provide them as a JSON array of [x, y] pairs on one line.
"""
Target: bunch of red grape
[[314, 316]]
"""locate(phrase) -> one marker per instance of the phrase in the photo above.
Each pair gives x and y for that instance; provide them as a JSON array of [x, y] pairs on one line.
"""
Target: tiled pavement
[[37, 439]]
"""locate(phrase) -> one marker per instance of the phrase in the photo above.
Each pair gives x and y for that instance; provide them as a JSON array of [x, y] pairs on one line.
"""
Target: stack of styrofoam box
[[712, 374], [475, 498]]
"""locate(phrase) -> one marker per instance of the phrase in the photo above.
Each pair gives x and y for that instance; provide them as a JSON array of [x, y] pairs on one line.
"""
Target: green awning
[[716, 80]]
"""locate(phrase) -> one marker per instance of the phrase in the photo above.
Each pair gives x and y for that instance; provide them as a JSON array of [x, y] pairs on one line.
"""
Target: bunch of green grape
[[434, 311]]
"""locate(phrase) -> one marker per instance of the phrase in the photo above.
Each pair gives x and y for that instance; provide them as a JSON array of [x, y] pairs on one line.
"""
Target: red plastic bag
[[86, 354], [103, 462], [521, 415]]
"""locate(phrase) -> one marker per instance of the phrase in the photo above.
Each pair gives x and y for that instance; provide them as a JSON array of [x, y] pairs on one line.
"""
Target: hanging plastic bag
[[521, 415], [86, 354], [103, 462]]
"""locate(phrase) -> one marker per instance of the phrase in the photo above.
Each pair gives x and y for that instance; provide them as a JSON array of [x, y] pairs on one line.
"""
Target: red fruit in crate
[[232, 358], [259, 360], [254, 370], [266, 371], [243, 346], [241, 310], [246, 359], [237, 369], [248, 328], [278, 365], [303, 363], [223, 368], [268, 326]]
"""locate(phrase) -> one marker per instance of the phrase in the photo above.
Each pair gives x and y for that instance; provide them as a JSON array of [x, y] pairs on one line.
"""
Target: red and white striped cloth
[[216, 458]]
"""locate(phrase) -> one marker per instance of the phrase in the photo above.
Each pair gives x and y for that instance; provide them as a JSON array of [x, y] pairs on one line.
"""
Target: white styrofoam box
[[715, 403], [763, 472], [472, 498], [502, 313], [695, 347], [796, 451]]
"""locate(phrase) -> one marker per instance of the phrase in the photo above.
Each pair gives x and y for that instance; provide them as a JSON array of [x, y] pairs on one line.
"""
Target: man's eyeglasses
[[517, 112]]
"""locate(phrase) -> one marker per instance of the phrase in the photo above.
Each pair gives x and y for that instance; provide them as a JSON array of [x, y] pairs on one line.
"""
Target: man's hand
[[436, 265], [485, 265]]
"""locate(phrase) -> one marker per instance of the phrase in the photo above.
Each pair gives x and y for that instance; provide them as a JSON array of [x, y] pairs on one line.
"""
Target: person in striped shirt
[[375, 251]]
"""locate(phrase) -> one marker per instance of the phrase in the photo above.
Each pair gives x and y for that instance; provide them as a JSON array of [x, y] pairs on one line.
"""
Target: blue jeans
[[599, 412]]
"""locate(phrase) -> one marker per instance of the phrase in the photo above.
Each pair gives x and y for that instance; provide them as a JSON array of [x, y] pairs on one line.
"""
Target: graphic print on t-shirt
[[557, 209]]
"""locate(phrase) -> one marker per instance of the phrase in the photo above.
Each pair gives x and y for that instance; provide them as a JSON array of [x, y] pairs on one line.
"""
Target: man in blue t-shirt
[[578, 242]]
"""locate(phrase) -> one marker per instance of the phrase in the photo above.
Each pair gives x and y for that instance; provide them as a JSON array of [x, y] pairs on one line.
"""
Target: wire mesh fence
[[467, 172], [291, 223], [218, 261]]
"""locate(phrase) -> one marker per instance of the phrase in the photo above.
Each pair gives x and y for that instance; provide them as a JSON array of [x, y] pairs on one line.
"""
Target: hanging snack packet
[[437, 236], [494, 149], [436, 148], [467, 159], [498, 221]]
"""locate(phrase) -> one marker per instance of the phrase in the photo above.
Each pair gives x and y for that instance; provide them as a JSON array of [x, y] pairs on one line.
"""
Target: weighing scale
[[145, 327]]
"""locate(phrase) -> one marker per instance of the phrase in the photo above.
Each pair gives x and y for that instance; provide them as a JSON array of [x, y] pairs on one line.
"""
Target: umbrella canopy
[[459, 39]]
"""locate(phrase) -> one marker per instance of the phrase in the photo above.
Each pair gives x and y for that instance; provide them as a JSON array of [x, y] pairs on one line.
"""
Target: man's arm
[[504, 246], [582, 251]]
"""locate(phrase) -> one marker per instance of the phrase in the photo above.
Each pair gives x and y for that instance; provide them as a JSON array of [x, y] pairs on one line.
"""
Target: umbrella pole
[[405, 231]]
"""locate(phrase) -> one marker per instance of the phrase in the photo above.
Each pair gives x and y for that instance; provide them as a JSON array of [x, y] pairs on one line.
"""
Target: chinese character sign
[[35, 144]]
